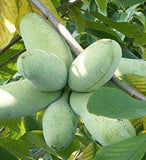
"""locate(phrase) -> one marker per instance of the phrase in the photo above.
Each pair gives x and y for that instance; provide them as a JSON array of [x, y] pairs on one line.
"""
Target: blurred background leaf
[[8, 15]]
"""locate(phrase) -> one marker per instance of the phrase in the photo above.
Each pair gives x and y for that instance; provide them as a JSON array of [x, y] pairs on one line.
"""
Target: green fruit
[[21, 98], [43, 69], [105, 130], [37, 33], [59, 124], [94, 66], [133, 72]]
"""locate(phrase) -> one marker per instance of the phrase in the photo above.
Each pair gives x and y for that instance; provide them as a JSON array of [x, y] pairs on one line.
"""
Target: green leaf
[[5, 155], [128, 3], [83, 136], [15, 127], [78, 18], [135, 81], [114, 103], [74, 155], [86, 3], [123, 27], [36, 138], [31, 123], [8, 15], [130, 149], [102, 5], [10, 68], [17, 147], [144, 158], [100, 30], [24, 7], [90, 151], [144, 122], [13, 124]]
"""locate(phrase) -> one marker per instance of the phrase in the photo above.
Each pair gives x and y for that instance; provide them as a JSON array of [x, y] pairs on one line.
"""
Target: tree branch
[[11, 58], [60, 28], [77, 48], [13, 41], [128, 89], [67, 4]]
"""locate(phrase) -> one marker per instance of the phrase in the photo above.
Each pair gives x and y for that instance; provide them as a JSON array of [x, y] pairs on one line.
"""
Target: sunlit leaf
[[114, 103], [128, 3], [83, 136], [25, 6], [51, 7], [74, 155], [17, 147], [123, 27], [86, 4], [131, 149], [14, 125], [89, 152], [135, 81], [144, 53], [144, 122], [78, 18], [102, 4], [8, 15]]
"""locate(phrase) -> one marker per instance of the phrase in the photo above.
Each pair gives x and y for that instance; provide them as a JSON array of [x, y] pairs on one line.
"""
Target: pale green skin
[[37, 33], [94, 66], [43, 69], [22, 98], [59, 124], [131, 66], [104, 130]]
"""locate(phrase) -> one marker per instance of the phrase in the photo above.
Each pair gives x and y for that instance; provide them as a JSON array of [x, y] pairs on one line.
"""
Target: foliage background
[[88, 21]]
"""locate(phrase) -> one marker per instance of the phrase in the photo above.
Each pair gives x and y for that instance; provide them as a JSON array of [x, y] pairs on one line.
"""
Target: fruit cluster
[[48, 67]]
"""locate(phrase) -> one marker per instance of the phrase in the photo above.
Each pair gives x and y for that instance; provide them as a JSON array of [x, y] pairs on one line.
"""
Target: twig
[[66, 13], [13, 41], [60, 28], [128, 89], [77, 48], [11, 58], [39, 153], [2, 129], [67, 4]]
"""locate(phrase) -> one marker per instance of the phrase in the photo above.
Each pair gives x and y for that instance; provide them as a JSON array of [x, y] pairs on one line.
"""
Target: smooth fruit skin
[[37, 33], [59, 124], [105, 130], [94, 66], [133, 72], [43, 69], [21, 98]]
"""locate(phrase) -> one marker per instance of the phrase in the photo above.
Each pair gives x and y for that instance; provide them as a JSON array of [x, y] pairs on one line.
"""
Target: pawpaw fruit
[[133, 72], [37, 33], [94, 66], [59, 124], [43, 69], [21, 98], [105, 130]]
